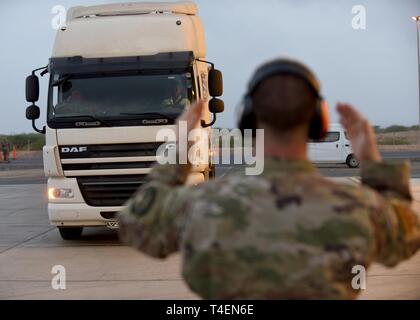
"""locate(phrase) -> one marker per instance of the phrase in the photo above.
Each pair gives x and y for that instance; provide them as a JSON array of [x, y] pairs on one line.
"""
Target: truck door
[[329, 149]]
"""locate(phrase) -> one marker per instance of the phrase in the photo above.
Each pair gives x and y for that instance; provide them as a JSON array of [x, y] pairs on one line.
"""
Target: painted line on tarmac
[[27, 240], [226, 172], [355, 179]]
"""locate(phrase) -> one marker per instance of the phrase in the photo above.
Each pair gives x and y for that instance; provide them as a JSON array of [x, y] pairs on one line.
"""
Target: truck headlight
[[60, 193]]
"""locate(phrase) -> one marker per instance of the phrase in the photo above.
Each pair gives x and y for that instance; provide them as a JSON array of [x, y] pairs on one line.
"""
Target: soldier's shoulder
[[236, 183], [308, 187], [349, 190]]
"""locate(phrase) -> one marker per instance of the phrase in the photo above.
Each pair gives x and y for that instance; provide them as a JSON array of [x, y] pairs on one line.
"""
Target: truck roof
[[131, 29], [133, 8]]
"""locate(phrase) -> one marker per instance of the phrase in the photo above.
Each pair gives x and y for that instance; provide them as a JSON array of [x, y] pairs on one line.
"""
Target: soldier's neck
[[288, 146]]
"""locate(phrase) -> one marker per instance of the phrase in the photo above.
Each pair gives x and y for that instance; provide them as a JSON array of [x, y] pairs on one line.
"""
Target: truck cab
[[118, 74]]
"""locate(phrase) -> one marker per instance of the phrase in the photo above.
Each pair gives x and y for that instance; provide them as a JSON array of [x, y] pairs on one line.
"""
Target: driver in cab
[[178, 98], [75, 103]]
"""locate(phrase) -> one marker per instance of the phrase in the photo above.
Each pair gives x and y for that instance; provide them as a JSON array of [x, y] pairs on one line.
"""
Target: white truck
[[118, 74]]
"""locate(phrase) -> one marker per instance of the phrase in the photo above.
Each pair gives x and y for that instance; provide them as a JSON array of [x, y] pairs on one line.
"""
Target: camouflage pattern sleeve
[[153, 219], [396, 224]]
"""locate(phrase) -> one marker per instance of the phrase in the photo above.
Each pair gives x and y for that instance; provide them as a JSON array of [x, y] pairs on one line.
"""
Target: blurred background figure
[[5, 148]]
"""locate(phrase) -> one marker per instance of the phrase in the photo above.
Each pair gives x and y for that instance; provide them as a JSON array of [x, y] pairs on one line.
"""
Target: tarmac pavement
[[99, 267]]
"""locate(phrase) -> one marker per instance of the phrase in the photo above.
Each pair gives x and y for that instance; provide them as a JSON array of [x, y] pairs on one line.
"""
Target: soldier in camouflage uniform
[[5, 149], [288, 233]]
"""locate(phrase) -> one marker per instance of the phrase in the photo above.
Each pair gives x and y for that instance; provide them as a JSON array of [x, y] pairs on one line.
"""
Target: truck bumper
[[76, 213], [80, 214]]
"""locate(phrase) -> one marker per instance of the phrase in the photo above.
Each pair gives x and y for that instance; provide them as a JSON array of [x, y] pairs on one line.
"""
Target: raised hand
[[191, 118], [360, 132], [192, 115]]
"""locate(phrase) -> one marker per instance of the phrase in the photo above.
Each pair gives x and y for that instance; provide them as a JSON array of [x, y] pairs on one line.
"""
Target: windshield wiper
[[101, 121], [157, 114], [62, 80]]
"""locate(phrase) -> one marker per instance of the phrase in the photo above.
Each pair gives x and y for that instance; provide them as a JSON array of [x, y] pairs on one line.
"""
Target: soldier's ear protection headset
[[319, 122]]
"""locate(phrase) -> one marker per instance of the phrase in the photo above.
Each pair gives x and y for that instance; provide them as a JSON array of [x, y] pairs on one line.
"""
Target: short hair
[[284, 102]]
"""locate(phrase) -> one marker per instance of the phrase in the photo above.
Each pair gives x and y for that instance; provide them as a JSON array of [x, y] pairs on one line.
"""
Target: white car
[[335, 148]]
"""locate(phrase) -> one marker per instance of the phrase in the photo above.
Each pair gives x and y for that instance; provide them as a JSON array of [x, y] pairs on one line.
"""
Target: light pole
[[417, 19]]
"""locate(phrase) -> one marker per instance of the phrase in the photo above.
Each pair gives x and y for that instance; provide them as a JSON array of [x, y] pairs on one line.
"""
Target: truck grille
[[110, 150], [115, 189], [108, 166], [109, 191]]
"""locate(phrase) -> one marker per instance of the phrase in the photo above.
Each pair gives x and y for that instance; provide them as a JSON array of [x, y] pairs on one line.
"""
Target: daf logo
[[73, 149], [157, 121], [88, 124]]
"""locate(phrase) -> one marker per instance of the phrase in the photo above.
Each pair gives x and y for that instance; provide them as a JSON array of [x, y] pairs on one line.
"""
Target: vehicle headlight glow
[[60, 193]]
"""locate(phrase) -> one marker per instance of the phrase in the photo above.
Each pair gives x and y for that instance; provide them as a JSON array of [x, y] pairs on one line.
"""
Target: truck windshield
[[117, 99]]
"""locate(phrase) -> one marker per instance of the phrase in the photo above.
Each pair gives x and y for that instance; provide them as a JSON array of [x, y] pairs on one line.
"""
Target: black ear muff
[[320, 121], [247, 119]]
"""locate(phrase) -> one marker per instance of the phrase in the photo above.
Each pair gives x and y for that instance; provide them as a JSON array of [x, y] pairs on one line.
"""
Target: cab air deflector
[[160, 61]]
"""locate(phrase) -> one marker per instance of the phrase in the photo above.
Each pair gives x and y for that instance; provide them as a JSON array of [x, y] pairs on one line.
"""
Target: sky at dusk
[[374, 69]]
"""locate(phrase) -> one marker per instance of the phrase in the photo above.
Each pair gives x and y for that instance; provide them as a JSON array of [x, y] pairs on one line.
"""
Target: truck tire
[[70, 233], [352, 162], [210, 173]]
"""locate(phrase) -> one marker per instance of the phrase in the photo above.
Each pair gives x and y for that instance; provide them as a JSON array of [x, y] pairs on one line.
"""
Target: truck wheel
[[352, 162], [70, 233], [209, 173], [212, 173], [206, 174]]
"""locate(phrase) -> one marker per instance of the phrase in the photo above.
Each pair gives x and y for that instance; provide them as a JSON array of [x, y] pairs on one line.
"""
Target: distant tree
[[377, 129], [396, 128], [23, 141]]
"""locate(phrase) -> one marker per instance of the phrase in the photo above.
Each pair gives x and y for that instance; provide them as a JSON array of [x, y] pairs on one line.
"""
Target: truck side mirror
[[216, 105], [215, 83], [32, 112], [32, 88]]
